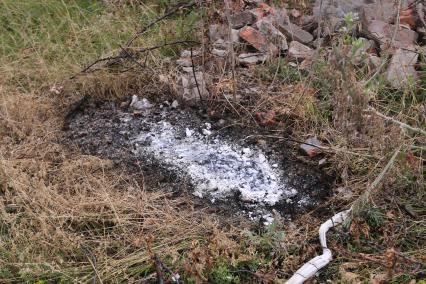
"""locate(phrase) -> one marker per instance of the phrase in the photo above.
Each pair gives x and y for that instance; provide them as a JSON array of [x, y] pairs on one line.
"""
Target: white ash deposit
[[217, 169]]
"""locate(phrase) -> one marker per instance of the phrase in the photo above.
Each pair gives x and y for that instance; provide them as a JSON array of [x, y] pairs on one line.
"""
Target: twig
[[92, 261], [401, 124], [195, 77], [323, 148], [85, 69], [231, 49], [124, 54], [159, 269], [168, 44], [132, 58], [366, 195], [170, 13]]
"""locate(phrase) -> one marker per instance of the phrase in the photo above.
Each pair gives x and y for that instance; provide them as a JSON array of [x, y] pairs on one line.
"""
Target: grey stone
[[219, 52], [219, 32], [140, 104], [312, 147], [242, 19], [401, 68], [384, 34], [184, 62], [294, 32], [280, 17], [331, 13], [299, 52], [189, 85], [374, 61], [252, 58], [175, 104], [272, 34], [235, 35]]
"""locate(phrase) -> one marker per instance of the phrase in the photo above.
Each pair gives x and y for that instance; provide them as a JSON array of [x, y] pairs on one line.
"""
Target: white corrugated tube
[[310, 268]]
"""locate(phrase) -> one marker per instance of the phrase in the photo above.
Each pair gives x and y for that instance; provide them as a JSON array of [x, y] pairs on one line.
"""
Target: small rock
[[381, 10], [261, 143], [311, 147], [401, 69], [184, 62], [383, 33], [208, 125], [206, 132], [189, 84], [331, 13], [252, 58], [188, 132], [279, 17], [190, 70], [242, 19], [140, 104], [220, 33], [272, 34], [124, 104], [246, 151], [219, 52], [257, 40], [261, 11], [217, 32], [175, 104], [235, 36], [187, 53], [294, 32], [299, 52], [306, 22], [374, 61]]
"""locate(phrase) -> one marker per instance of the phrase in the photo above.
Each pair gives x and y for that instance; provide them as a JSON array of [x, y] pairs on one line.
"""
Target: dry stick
[[195, 78], [135, 36], [177, 42], [175, 276], [133, 59], [366, 195], [203, 47], [159, 269], [144, 29], [85, 69], [124, 54], [401, 124], [231, 48], [323, 148]]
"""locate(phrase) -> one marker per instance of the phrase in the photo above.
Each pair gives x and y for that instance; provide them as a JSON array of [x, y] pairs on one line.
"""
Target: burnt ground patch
[[107, 129]]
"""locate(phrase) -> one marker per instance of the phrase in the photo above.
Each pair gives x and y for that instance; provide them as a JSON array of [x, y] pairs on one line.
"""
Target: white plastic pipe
[[310, 268]]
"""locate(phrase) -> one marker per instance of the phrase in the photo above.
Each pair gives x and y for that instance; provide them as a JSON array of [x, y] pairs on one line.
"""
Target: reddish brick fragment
[[257, 40]]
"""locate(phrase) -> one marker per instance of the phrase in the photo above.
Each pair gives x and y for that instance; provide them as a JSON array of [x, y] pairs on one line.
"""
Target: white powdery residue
[[268, 219], [216, 168]]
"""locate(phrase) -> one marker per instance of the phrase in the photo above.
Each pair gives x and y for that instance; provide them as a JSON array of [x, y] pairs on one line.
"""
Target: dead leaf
[[266, 118], [406, 17]]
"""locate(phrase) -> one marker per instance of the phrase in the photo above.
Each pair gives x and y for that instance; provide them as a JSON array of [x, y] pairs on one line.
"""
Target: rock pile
[[258, 32]]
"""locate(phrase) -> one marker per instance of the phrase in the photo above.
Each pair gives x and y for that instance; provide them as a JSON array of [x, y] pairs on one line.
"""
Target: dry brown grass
[[72, 217]]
